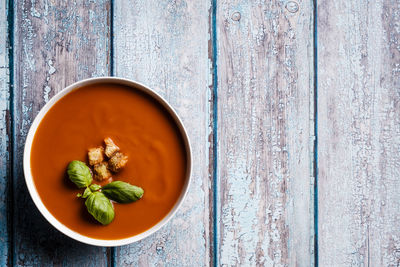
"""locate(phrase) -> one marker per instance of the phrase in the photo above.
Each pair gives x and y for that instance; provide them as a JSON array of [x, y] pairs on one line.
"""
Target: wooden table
[[292, 107]]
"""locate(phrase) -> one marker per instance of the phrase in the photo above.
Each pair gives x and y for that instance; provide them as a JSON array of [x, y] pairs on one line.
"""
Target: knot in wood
[[236, 16], [292, 6]]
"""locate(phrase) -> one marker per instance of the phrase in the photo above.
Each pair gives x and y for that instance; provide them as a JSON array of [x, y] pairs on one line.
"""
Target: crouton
[[101, 172], [111, 148], [96, 155], [117, 162]]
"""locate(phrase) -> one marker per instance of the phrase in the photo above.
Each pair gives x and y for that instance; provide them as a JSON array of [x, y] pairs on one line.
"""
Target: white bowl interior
[[31, 186]]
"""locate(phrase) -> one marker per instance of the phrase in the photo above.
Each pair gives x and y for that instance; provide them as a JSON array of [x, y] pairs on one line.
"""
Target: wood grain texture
[[265, 130], [4, 134], [359, 133], [56, 44], [165, 44]]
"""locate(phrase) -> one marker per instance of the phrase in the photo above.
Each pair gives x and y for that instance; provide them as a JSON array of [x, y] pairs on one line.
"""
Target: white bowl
[[31, 186]]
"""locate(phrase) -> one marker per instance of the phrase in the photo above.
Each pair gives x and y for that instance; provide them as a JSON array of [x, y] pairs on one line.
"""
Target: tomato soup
[[144, 131]]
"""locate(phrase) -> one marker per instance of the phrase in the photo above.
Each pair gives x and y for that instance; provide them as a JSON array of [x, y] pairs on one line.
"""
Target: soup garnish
[[98, 202]]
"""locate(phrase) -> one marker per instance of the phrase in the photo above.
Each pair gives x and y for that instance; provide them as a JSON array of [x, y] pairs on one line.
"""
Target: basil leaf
[[94, 187], [86, 193], [100, 207], [79, 173], [122, 192]]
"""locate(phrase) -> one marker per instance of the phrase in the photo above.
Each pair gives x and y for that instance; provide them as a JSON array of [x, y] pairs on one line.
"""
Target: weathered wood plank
[[4, 135], [56, 44], [165, 44], [265, 129], [359, 132]]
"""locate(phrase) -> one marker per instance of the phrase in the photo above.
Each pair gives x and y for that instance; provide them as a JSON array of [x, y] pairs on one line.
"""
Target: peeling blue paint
[[55, 45], [164, 44], [4, 135]]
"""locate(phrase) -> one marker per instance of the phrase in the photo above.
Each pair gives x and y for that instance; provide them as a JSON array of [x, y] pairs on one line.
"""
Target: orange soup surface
[[143, 130]]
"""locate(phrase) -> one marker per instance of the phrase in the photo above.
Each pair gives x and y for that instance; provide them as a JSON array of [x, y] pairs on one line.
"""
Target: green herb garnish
[[122, 192], [98, 198], [94, 187], [79, 174], [100, 207]]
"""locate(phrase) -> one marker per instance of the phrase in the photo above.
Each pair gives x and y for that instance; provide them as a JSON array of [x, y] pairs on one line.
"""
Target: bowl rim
[[29, 177]]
